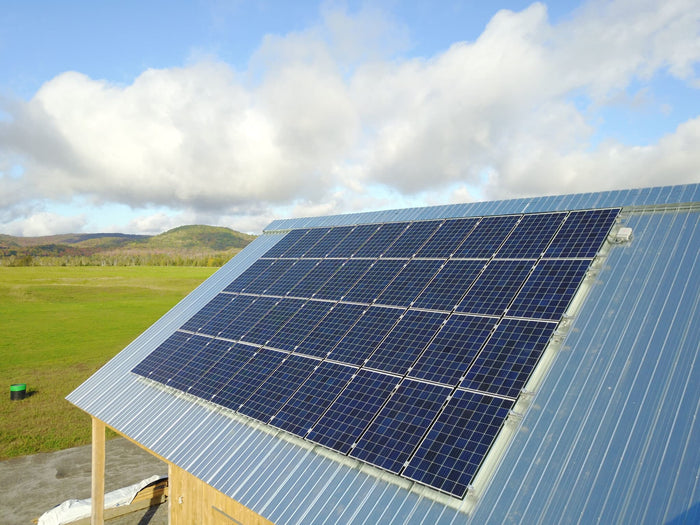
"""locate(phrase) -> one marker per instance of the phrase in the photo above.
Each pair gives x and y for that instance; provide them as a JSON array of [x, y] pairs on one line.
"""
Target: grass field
[[60, 324]]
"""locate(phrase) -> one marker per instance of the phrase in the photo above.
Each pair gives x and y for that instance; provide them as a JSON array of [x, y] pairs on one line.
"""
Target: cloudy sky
[[139, 116]]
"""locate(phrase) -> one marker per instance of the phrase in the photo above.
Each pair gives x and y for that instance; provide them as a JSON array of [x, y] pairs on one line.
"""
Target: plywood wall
[[193, 502]]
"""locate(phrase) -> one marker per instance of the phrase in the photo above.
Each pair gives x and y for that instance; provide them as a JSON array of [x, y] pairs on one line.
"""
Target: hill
[[193, 245]]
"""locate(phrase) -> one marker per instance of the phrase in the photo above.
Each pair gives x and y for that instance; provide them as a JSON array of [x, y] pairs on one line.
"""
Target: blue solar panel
[[400, 425], [312, 399], [531, 236], [449, 285], [509, 357], [371, 284], [365, 335], [329, 242], [404, 289], [582, 234], [209, 354], [272, 321], [406, 341], [299, 340], [300, 325], [248, 318], [227, 363], [341, 281], [487, 237], [209, 312], [316, 278], [382, 240], [306, 243], [447, 238], [227, 315], [331, 330], [458, 442], [454, 348], [244, 384], [549, 290], [278, 387], [284, 244], [288, 279], [254, 271], [495, 288], [352, 410], [412, 239], [353, 241]]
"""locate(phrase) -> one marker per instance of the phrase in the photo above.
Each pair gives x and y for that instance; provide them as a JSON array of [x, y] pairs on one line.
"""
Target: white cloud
[[44, 223], [325, 117]]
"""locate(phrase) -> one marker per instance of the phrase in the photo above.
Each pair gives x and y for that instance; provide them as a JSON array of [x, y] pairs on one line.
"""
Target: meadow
[[60, 324]]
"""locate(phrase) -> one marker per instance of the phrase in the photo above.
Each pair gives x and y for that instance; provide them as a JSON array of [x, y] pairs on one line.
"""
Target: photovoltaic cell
[[150, 366], [458, 442], [341, 281], [353, 241], [227, 315], [272, 321], [306, 243], [412, 239], [209, 354], [248, 318], [278, 387], [248, 379], [495, 288], [352, 411], [371, 284], [316, 278], [447, 238], [406, 341], [254, 271], [449, 285], [382, 240], [363, 338], [328, 242], [400, 425], [509, 357], [549, 290], [486, 237], [289, 240], [454, 348], [312, 399], [290, 278], [531, 236], [226, 366], [208, 312], [331, 329], [300, 325], [269, 276], [582, 233], [410, 281]]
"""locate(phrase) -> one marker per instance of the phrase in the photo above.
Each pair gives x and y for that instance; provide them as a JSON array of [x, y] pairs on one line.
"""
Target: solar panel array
[[403, 345]]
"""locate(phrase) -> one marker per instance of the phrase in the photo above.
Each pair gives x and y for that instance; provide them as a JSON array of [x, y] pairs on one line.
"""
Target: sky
[[137, 117]]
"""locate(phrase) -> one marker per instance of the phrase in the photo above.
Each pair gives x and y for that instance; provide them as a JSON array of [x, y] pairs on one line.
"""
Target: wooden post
[[98, 472]]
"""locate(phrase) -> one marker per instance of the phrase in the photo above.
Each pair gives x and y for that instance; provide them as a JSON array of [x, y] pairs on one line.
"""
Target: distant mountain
[[181, 244]]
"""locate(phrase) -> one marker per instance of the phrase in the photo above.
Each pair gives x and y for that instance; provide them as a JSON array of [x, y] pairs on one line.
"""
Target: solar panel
[[352, 410], [454, 348], [406, 341], [403, 345], [457, 443], [399, 426]]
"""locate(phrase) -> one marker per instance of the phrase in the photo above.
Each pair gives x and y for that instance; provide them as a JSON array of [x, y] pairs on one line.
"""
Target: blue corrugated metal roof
[[611, 435]]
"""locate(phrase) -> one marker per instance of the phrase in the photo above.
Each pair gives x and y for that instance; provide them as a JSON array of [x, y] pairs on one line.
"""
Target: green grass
[[59, 325]]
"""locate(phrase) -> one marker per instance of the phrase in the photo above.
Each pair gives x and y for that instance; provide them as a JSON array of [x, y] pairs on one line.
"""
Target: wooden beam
[[98, 472]]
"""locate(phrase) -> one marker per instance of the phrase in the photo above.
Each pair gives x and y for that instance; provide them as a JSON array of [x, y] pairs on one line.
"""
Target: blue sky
[[139, 117]]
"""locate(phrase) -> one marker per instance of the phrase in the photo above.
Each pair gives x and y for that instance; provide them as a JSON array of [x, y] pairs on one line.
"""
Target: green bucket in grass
[[18, 391]]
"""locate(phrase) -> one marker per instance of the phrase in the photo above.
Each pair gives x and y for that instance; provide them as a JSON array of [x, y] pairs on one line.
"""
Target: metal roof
[[610, 435]]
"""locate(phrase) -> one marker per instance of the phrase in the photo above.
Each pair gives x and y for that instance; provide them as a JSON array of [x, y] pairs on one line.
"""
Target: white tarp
[[75, 509]]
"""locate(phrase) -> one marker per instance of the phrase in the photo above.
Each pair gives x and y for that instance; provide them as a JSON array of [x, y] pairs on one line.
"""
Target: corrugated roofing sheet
[[612, 434]]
